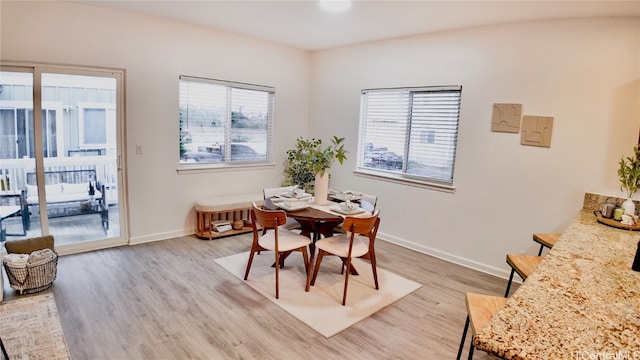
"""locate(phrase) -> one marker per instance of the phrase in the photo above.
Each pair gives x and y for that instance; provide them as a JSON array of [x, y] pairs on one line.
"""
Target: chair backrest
[[269, 219], [271, 192], [362, 225], [369, 202]]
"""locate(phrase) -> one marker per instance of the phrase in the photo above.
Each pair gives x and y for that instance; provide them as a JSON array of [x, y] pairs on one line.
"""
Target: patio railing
[[13, 172]]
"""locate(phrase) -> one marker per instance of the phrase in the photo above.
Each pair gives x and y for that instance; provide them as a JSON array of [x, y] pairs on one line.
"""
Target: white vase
[[629, 207], [321, 189]]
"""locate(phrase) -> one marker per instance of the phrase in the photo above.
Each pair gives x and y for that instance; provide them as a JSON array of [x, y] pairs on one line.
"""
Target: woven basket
[[32, 279]]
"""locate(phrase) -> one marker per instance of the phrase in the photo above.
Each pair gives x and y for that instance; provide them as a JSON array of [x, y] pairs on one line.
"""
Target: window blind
[[410, 132], [224, 122]]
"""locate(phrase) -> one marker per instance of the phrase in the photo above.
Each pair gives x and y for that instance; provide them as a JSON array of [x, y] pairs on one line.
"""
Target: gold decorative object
[[237, 225]]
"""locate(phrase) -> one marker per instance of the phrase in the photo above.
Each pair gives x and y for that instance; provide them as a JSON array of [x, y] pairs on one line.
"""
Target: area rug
[[30, 329], [321, 308]]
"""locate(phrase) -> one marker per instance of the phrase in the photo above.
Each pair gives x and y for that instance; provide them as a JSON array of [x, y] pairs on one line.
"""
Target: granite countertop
[[582, 302]]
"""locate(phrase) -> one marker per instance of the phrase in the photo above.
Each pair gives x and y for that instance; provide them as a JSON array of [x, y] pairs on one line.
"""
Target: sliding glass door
[[60, 155]]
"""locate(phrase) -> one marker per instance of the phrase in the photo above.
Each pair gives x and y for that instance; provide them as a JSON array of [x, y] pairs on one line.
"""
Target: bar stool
[[4, 351], [480, 309], [546, 240], [523, 265]]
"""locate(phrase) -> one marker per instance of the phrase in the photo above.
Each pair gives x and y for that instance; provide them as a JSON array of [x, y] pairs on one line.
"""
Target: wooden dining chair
[[276, 191], [268, 193], [369, 202], [480, 310], [357, 242], [274, 238]]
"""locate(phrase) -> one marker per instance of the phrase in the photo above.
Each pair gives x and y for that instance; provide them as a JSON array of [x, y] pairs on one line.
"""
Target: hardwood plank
[[170, 300]]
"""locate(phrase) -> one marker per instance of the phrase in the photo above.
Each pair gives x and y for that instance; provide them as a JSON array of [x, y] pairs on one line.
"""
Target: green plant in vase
[[629, 176], [309, 159], [299, 169]]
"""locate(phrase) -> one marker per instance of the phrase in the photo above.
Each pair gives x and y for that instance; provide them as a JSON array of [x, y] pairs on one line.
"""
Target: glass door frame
[[37, 69]]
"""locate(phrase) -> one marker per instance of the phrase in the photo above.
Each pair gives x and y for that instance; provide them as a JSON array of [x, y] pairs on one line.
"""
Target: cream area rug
[[321, 308], [30, 329]]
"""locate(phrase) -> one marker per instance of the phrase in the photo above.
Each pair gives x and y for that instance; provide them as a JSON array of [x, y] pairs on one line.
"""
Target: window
[[224, 123], [410, 133], [16, 133], [94, 127]]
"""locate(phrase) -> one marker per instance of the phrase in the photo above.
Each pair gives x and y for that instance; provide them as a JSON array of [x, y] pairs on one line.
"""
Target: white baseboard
[[445, 256], [159, 236]]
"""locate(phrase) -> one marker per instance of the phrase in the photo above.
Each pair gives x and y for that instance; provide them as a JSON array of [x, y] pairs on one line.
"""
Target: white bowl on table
[[349, 206]]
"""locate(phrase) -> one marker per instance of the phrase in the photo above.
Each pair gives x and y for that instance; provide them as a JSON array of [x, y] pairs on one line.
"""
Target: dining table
[[316, 220], [581, 302]]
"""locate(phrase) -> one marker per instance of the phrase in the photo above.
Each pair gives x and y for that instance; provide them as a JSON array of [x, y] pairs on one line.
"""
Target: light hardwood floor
[[170, 300]]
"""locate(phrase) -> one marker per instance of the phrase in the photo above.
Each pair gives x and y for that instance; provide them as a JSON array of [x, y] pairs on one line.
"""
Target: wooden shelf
[[210, 235]]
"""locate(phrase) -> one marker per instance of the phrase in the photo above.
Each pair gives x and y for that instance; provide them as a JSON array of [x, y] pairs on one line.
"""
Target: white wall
[[154, 53], [585, 73]]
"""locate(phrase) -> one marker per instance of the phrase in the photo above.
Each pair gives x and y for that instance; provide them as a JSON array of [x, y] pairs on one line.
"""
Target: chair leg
[[317, 267], [277, 274], [464, 336], [346, 281], [246, 273], [471, 349], [540, 251], [309, 269], [372, 259], [506, 293], [305, 256]]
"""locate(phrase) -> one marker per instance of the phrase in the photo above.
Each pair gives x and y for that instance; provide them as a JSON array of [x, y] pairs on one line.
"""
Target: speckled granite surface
[[582, 302], [595, 201]]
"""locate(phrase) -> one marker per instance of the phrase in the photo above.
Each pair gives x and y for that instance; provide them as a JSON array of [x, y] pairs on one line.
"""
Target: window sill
[[204, 168], [399, 179]]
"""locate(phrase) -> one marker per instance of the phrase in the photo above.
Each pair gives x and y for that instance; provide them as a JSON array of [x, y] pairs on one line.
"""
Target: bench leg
[[104, 216]]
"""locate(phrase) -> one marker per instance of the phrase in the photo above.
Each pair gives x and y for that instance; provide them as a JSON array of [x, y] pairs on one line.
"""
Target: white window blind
[[225, 123], [410, 132]]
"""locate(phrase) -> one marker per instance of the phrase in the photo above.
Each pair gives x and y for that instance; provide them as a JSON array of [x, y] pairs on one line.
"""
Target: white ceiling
[[302, 24]]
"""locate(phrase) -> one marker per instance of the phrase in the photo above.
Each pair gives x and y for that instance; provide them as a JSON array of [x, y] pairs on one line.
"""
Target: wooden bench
[[224, 207], [70, 193]]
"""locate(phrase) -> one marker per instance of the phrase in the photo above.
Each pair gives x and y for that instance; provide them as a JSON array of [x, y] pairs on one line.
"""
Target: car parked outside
[[214, 154], [382, 158]]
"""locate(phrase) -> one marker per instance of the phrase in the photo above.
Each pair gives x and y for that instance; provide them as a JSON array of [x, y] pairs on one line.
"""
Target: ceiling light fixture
[[335, 5]]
